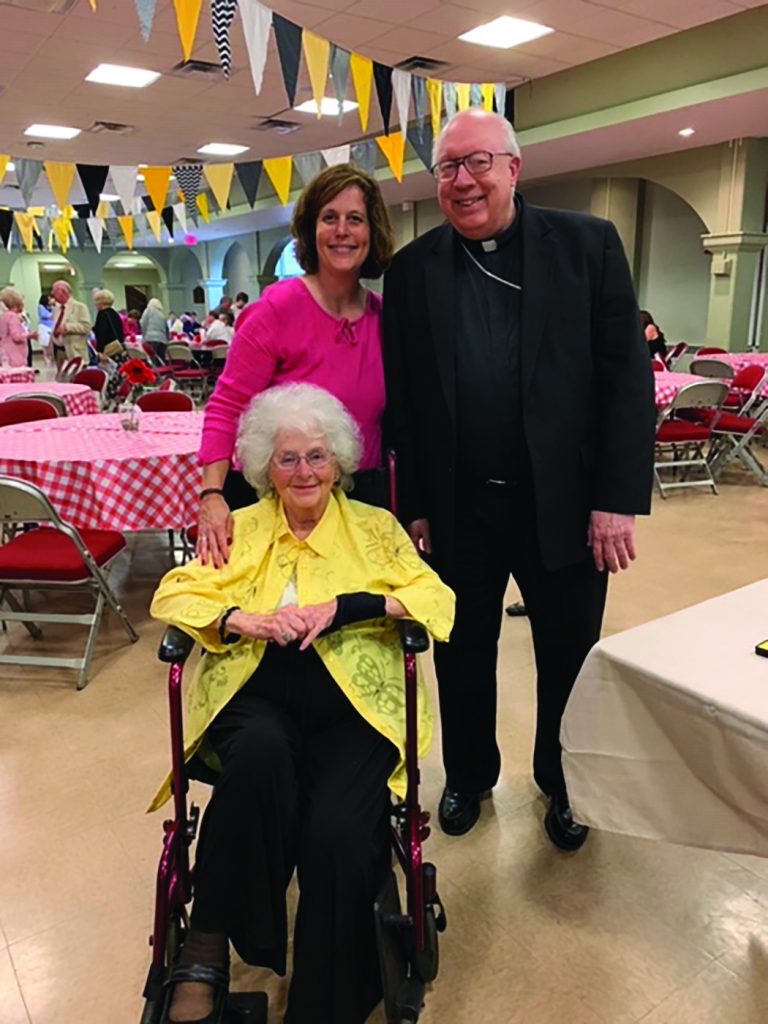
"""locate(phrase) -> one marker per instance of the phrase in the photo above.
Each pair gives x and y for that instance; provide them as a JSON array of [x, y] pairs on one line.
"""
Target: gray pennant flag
[[364, 155], [146, 12], [419, 88], [81, 232], [308, 165], [450, 99], [339, 63], [475, 95], [421, 140], [27, 173]]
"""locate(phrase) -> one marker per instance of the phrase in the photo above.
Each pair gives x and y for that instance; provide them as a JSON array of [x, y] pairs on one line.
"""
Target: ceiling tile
[[398, 12], [450, 18], [351, 31]]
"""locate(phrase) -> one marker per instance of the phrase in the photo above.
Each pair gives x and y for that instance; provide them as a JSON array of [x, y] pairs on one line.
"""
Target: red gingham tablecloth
[[17, 375], [98, 475], [739, 360], [668, 384], [78, 398]]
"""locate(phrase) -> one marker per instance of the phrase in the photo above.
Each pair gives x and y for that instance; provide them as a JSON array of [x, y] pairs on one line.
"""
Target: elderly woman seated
[[299, 703]]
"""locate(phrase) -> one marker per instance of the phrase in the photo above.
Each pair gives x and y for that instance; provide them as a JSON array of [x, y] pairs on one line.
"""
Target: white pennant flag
[[401, 87], [257, 21], [180, 211], [96, 228], [124, 180], [137, 206], [336, 155], [500, 95]]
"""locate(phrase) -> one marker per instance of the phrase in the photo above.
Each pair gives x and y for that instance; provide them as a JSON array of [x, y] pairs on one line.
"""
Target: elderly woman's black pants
[[304, 785]]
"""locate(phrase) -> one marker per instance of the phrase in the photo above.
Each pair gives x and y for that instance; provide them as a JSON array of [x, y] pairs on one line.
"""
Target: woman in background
[[45, 327], [154, 329], [14, 334], [657, 344], [108, 325]]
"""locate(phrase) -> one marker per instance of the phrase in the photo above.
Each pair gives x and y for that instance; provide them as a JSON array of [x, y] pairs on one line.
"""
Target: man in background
[[71, 325]]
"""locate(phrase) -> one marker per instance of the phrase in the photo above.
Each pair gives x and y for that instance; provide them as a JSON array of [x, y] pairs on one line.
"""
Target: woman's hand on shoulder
[[214, 531], [317, 617]]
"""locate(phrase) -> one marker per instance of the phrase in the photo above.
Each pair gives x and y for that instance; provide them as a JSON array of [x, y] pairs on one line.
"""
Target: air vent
[[185, 68], [113, 127], [41, 6], [423, 64], [274, 124]]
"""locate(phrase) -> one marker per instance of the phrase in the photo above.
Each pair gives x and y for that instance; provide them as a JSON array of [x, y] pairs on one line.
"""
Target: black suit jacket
[[587, 385]]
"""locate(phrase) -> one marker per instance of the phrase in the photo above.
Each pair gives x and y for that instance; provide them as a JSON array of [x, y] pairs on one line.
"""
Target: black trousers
[[370, 487], [496, 535], [304, 785]]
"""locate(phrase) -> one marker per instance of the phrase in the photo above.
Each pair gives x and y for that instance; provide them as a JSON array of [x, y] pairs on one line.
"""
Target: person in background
[[241, 301], [14, 333], [71, 325], [222, 329], [323, 329], [154, 329], [657, 344], [175, 324], [107, 326], [45, 326], [131, 325], [190, 324], [225, 306]]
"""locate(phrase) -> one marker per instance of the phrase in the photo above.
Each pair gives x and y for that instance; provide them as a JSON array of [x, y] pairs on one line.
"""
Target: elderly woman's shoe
[[199, 982]]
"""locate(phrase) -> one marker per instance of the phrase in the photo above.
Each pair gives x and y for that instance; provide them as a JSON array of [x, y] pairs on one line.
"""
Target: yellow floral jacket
[[354, 547]]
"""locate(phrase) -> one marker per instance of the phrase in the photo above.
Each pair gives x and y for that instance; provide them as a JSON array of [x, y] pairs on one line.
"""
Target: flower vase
[[129, 416]]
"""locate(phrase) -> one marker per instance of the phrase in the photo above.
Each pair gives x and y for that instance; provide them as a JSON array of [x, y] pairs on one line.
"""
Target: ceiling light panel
[[117, 74], [329, 107], [505, 32], [51, 131], [222, 149]]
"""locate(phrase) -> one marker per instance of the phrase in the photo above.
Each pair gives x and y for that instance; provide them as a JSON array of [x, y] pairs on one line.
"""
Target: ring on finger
[[287, 637]]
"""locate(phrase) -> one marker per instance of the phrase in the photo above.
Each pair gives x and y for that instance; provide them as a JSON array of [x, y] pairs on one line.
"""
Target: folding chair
[[69, 369], [711, 351], [22, 409], [55, 401], [187, 372], [54, 557], [218, 357], [93, 377], [658, 365], [134, 352], [675, 353], [166, 401], [712, 368], [732, 437], [681, 437], [745, 390]]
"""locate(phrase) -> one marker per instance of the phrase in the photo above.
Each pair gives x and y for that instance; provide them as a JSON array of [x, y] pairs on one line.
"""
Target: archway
[[236, 270], [34, 273], [134, 279], [184, 282], [281, 262]]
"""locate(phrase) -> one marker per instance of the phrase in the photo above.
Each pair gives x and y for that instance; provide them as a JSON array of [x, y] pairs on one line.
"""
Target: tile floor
[[624, 931]]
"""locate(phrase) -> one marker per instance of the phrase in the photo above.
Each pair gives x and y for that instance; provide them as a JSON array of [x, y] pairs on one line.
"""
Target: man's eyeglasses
[[477, 164], [315, 459]]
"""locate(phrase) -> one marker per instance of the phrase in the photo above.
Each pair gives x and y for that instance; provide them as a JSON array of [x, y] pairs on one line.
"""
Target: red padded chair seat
[[190, 374], [48, 554], [677, 432], [729, 423]]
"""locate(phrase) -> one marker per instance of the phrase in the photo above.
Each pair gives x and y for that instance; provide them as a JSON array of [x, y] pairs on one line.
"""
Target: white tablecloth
[[666, 732]]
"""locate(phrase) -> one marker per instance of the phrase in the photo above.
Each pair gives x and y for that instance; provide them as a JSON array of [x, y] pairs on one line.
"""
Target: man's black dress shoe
[[458, 812], [564, 832]]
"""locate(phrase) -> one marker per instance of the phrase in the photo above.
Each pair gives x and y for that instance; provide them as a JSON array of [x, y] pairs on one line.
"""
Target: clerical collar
[[501, 240]]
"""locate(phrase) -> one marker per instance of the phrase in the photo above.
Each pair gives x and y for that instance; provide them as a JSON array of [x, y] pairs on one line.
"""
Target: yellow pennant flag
[[155, 222], [126, 226], [202, 204], [317, 52], [104, 210], [25, 223], [486, 91], [187, 17], [435, 93], [219, 177], [362, 78], [4, 161], [60, 178], [156, 179], [280, 169], [393, 148], [61, 228], [462, 95], [93, 5]]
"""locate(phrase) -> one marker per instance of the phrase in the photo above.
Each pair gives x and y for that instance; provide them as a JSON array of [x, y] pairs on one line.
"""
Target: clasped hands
[[285, 625]]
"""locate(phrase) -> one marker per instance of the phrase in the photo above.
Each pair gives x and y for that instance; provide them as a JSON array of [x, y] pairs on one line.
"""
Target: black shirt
[[107, 327], [490, 439]]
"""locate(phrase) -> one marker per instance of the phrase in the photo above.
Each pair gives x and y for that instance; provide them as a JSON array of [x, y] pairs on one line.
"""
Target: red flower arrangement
[[138, 373]]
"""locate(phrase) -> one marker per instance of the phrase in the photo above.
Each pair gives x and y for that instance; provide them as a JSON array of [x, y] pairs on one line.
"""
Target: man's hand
[[612, 539], [418, 531], [317, 617]]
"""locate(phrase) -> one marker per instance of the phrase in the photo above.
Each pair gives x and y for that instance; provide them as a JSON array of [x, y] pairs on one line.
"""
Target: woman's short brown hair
[[322, 190]]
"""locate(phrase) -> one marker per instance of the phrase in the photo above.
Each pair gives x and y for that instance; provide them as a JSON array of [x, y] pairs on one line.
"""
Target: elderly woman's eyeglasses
[[477, 164], [317, 458]]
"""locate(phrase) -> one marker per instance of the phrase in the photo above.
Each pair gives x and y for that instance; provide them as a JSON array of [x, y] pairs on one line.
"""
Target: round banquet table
[[78, 398], [17, 375], [668, 384], [98, 475], [740, 360]]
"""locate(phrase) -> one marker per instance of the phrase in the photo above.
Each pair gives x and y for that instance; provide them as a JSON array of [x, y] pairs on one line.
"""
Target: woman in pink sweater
[[14, 334], [323, 329]]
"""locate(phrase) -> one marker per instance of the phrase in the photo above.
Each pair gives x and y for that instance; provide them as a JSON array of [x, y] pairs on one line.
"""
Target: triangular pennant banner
[[156, 180], [61, 228], [124, 180], [93, 178], [83, 210], [187, 18], [363, 155], [103, 210], [138, 205], [435, 93], [393, 148], [202, 204], [362, 79], [421, 140], [450, 99], [336, 155], [80, 227], [126, 226], [419, 89], [219, 177], [475, 95], [222, 16], [93, 5], [27, 174], [180, 212], [6, 226], [154, 221], [279, 170], [24, 222], [167, 216], [382, 76], [257, 21], [188, 177], [4, 161], [308, 166], [145, 9], [96, 228], [340, 75], [249, 175], [500, 97], [401, 87], [317, 52], [288, 37], [462, 96], [486, 91]]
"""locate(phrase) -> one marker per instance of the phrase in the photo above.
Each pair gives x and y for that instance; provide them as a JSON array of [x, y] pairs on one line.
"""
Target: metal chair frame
[[22, 503], [727, 445], [712, 368], [698, 395]]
